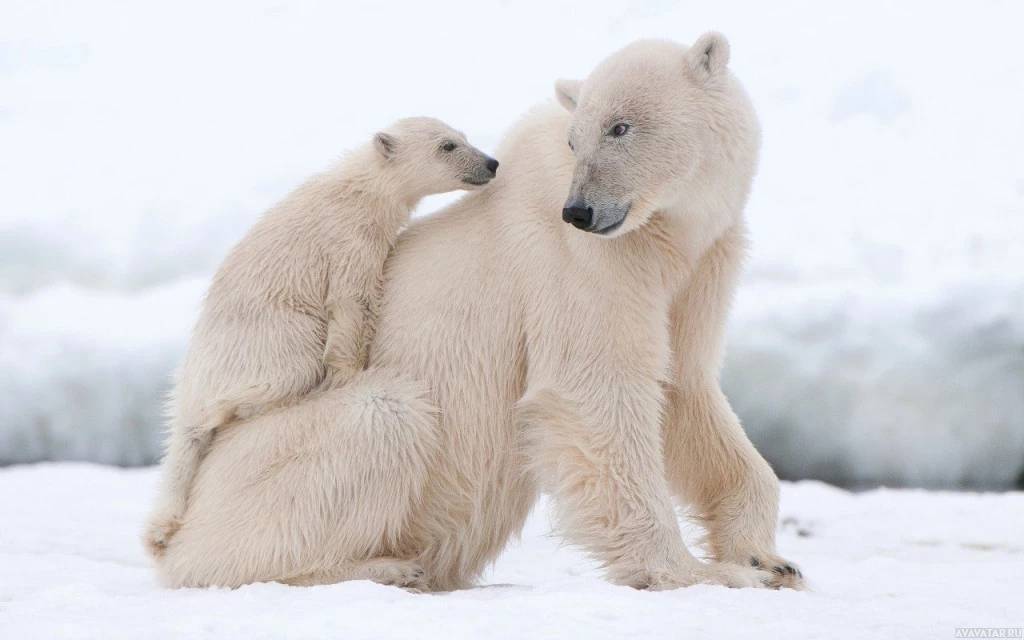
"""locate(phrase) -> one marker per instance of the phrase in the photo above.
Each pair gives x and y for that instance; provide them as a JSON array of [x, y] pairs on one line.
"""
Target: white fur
[[557, 360], [291, 309]]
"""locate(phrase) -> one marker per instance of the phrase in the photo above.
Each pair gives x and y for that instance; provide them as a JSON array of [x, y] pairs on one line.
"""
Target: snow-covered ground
[[879, 335], [883, 564]]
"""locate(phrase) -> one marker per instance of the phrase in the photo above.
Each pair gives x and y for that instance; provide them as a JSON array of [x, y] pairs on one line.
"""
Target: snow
[[879, 333], [883, 564], [85, 373], [860, 386]]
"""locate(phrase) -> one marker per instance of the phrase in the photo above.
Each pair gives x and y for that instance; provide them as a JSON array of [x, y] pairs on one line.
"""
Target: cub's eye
[[620, 129], [571, 148], [448, 146]]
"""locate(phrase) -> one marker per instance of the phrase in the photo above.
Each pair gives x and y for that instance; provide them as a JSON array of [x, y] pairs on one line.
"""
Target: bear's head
[[427, 156], [659, 128]]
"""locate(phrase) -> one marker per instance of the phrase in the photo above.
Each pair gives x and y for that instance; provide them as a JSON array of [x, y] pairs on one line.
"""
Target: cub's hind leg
[[185, 451]]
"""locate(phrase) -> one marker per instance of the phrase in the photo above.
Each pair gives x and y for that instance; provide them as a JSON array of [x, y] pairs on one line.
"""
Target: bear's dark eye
[[620, 129], [571, 148], [448, 146]]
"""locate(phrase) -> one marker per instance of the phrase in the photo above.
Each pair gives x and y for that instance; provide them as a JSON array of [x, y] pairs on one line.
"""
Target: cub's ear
[[709, 55], [385, 144], [568, 93]]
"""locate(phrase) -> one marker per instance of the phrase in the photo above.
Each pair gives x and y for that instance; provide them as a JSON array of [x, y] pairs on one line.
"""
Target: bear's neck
[[662, 253], [376, 186]]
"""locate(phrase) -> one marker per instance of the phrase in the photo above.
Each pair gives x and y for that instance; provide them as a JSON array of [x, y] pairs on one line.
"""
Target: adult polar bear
[[515, 353]]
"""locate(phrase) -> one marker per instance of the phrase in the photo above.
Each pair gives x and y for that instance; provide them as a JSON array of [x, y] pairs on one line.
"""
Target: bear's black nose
[[578, 216], [492, 166]]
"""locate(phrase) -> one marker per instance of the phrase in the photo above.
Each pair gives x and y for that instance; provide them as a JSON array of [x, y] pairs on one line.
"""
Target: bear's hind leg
[[388, 571], [308, 492]]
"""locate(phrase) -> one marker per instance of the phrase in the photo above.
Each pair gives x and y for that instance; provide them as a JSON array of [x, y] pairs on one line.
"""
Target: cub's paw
[[158, 534], [784, 574]]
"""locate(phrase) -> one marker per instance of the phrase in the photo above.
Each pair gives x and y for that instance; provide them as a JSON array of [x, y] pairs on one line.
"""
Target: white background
[[879, 334]]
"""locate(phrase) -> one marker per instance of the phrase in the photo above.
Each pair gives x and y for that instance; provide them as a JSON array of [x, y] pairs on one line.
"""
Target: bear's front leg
[[713, 466], [605, 469]]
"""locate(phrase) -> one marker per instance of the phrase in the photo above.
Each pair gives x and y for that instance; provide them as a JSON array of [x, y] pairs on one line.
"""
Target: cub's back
[[263, 322]]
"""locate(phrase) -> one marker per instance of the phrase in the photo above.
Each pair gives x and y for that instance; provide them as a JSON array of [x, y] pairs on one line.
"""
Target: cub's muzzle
[[483, 173]]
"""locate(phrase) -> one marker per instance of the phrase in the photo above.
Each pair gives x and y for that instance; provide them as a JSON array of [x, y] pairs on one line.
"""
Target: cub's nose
[[492, 166], [579, 217]]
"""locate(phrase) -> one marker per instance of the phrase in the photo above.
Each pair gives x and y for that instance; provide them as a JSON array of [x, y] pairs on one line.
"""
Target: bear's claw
[[786, 575]]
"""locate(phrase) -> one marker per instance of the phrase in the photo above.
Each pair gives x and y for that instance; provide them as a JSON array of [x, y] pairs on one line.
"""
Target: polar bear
[[291, 307], [516, 354]]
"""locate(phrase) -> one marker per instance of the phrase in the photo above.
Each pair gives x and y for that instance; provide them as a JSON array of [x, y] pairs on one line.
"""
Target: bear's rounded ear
[[385, 144], [709, 55], [568, 93]]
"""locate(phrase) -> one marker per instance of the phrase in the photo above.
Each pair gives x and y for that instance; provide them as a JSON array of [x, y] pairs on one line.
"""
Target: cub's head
[[431, 157], [658, 127]]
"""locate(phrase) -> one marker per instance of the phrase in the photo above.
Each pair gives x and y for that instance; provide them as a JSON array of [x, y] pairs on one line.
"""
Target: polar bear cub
[[291, 309]]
